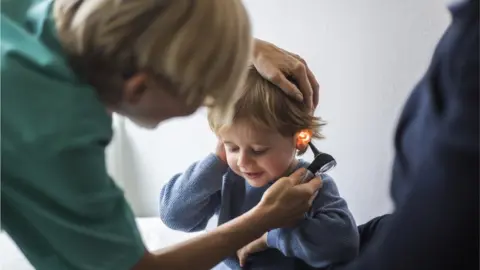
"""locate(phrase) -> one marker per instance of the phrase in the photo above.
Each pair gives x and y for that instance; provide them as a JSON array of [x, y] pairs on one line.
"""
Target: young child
[[257, 148]]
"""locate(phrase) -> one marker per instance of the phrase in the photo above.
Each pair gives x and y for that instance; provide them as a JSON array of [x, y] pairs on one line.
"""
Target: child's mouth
[[255, 175]]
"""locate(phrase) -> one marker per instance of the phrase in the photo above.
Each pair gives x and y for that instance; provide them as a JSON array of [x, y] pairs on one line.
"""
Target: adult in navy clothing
[[435, 183]]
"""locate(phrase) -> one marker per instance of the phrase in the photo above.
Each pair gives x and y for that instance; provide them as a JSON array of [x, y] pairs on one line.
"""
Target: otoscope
[[322, 162]]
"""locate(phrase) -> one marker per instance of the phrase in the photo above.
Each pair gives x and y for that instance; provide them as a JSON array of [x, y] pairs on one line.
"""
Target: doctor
[[65, 64]]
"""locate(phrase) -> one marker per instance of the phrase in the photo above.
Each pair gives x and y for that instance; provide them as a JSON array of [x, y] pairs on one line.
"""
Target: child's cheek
[[278, 164], [232, 162]]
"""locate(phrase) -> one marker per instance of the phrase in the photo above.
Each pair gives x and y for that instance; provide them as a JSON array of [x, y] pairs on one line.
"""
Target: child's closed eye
[[259, 152], [232, 149]]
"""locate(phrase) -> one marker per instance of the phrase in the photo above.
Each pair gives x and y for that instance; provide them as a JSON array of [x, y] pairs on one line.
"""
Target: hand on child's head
[[277, 65]]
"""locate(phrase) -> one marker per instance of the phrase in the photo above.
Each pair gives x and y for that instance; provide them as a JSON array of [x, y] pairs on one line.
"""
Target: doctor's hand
[[277, 65], [286, 201]]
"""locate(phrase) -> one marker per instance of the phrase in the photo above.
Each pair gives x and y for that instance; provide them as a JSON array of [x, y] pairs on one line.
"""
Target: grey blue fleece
[[328, 236]]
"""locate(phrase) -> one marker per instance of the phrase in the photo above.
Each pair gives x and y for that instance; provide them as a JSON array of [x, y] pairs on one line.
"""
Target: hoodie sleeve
[[328, 235], [190, 199]]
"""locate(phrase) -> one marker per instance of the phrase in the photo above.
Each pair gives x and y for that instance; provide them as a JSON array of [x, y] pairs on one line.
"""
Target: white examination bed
[[155, 235]]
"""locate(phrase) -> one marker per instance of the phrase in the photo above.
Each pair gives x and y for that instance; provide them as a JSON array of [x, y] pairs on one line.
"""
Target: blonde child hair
[[199, 48], [264, 105]]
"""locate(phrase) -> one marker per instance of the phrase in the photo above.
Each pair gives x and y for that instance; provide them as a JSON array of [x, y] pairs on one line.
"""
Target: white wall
[[367, 56]]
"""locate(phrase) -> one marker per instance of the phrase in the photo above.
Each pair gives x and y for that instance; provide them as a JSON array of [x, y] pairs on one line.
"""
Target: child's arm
[[190, 199], [327, 236]]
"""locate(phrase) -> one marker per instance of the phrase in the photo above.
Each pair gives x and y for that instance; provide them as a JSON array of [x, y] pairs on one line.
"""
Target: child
[[258, 148]]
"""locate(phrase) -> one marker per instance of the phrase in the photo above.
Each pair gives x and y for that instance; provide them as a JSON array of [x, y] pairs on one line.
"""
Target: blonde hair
[[200, 48], [264, 105]]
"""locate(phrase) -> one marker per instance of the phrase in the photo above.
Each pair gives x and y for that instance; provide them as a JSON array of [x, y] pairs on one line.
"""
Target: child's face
[[259, 156]]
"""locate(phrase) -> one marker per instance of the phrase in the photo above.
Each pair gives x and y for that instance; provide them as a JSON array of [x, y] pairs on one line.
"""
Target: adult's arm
[[284, 203]]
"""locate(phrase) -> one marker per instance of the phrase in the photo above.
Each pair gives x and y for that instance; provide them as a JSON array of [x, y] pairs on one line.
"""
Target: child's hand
[[220, 151], [256, 246]]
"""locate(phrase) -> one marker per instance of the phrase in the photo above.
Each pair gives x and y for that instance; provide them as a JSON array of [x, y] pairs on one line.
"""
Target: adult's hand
[[277, 65], [286, 201]]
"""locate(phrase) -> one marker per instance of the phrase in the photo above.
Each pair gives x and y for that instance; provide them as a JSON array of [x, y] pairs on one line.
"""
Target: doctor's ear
[[134, 87]]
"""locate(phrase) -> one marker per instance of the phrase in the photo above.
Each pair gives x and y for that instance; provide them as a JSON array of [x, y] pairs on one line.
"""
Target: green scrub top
[[58, 202]]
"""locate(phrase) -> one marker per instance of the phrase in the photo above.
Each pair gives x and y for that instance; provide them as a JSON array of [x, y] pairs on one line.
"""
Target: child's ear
[[295, 140], [135, 87], [301, 147], [302, 138]]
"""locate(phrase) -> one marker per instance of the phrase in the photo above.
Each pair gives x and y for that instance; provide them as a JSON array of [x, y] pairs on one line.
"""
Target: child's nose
[[244, 160]]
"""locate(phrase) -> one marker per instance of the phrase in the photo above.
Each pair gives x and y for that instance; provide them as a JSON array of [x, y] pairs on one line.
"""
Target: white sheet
[[154, 233]]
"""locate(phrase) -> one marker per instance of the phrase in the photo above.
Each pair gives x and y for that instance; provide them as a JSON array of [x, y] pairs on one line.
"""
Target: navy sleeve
[[436, 173]]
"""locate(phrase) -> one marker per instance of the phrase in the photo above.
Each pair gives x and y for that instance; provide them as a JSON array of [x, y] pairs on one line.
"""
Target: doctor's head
[[153, 60]]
